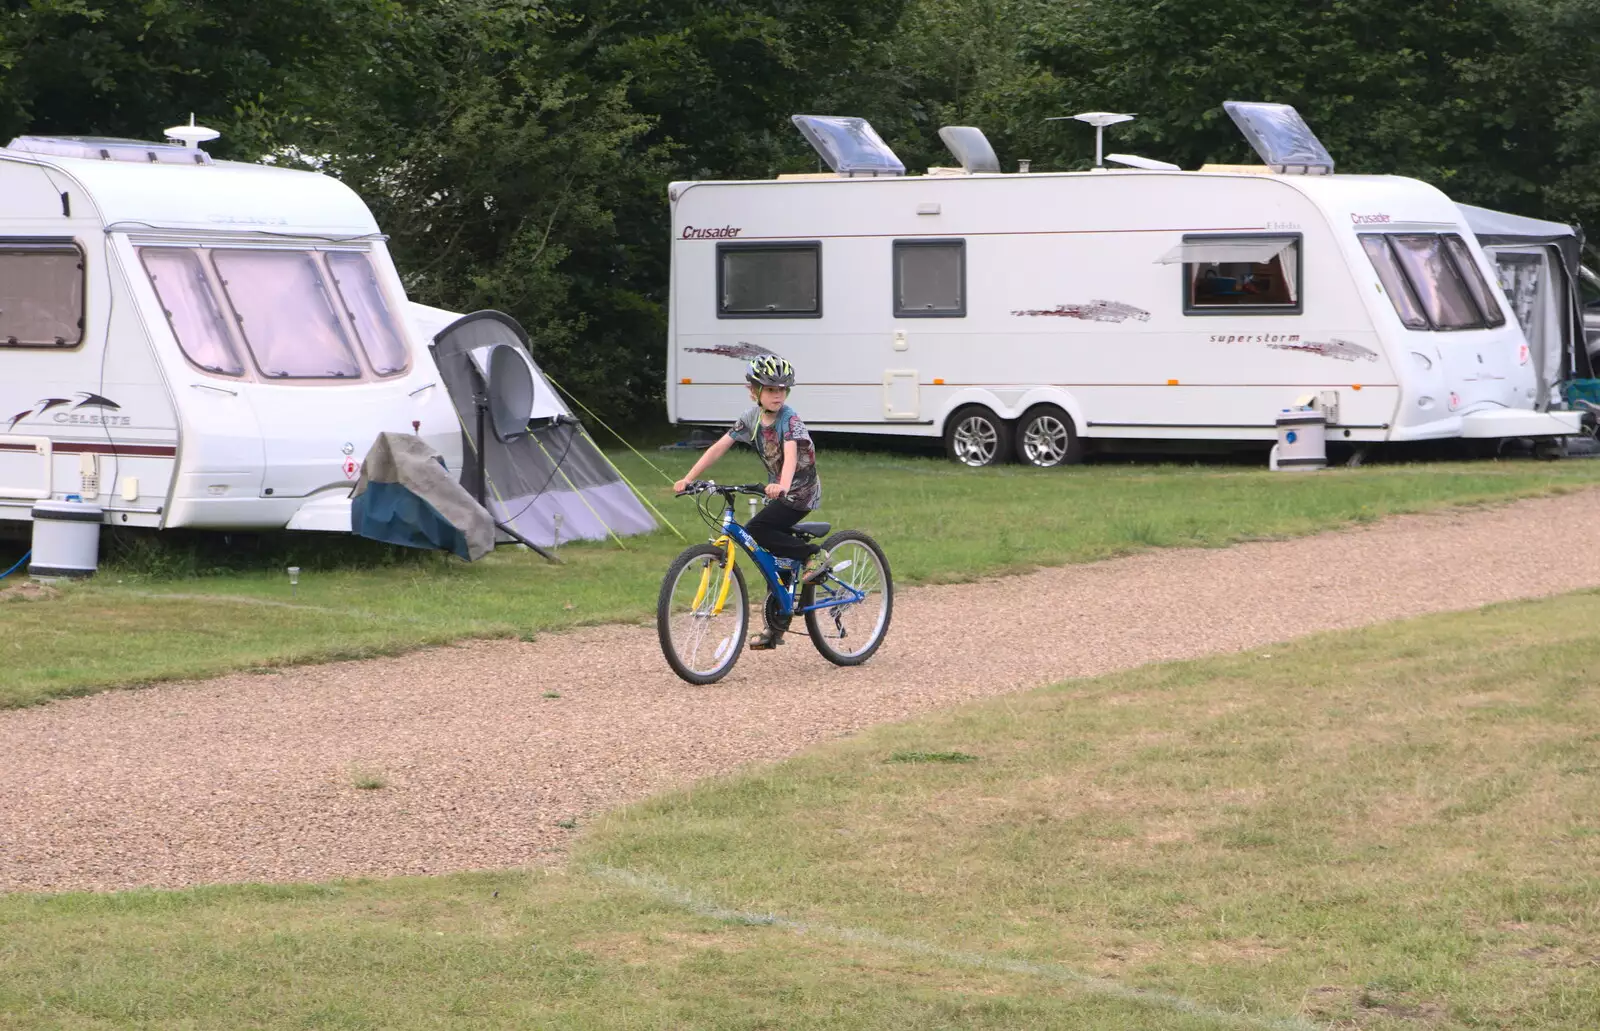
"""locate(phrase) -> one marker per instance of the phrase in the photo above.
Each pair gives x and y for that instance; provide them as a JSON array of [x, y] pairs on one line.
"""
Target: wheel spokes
[[976, 441], [853, 626], [702, 637], [1046, 441]]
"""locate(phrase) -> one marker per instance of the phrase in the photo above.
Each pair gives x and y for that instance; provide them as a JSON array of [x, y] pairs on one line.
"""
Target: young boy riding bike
[[793, 489]]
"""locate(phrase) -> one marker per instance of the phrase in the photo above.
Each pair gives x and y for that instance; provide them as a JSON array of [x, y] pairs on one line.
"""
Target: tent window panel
[[765, 281], [930, 278], [286, 314], [191, 308], [1243, 275], [41, 295], [370, 317], [1394, 281], [1473, 277], [1441, 290]]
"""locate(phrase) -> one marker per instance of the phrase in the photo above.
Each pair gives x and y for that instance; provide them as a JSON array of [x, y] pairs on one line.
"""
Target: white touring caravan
[[195, 343], [1029, 314]]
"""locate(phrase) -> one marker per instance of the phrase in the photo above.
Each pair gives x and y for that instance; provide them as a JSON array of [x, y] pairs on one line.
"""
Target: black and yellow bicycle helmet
[[770, 371]]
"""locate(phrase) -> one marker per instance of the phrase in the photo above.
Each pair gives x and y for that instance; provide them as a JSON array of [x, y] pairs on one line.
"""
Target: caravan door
[[219, 475]]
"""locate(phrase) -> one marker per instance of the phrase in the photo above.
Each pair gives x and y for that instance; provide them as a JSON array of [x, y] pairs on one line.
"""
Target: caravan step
[[328, 511], [1519, 422]]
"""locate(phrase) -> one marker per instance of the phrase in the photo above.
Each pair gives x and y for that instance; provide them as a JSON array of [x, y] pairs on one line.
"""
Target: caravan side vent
[[1282, 138], [850, 146], [971, 148], [106, 148]]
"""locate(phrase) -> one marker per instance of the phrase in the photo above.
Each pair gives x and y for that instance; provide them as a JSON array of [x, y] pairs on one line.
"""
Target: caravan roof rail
[[110, 148]]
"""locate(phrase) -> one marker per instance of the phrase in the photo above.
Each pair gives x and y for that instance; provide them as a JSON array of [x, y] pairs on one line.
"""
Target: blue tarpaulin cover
[[406, 496]]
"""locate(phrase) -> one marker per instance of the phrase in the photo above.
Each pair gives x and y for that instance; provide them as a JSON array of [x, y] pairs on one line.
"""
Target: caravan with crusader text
[[1035, 315]]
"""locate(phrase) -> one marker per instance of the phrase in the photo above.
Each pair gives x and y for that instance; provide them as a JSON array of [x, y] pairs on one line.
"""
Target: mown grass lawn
[[1390, 828], [937, 521]]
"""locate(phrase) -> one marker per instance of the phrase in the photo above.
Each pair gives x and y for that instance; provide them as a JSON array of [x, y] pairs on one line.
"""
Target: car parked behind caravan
[[1028, 315], [197, 343]]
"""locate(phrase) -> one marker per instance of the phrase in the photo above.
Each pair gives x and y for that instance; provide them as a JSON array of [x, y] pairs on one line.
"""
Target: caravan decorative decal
[[1094, 311], [71, 417], [742, 351], [1343, 350], [39, 408]]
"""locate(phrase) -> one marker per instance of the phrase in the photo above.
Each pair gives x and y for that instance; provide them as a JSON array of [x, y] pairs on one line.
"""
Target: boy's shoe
[[765, 641], [816, 567]]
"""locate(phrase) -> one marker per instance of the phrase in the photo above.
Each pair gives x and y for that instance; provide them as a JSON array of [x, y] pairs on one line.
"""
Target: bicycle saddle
[[813, 529]]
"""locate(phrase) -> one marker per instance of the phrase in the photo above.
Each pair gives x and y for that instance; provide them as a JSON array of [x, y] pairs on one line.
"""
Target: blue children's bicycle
[[703, 614]]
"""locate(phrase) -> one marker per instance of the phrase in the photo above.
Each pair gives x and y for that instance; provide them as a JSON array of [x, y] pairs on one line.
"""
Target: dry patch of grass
[[28, 590]]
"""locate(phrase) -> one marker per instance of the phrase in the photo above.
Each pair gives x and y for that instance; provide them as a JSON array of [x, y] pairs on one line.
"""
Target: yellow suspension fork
[[727, 578]]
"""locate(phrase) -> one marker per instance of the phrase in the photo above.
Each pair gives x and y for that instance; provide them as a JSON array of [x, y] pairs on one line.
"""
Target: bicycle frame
[[733, 533]]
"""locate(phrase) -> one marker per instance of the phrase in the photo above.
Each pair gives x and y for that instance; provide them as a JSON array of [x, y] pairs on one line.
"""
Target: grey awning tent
[[1537, 262], [551, 484]]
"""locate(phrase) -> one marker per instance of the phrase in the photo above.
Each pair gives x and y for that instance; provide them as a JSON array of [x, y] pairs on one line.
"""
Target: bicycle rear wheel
[[848, 633], [702, 632]]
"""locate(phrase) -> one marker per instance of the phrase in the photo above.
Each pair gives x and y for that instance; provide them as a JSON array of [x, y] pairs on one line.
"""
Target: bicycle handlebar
[[725, 489]]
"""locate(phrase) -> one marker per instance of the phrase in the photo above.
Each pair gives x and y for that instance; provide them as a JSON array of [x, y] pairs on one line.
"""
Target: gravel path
[[251, 777]]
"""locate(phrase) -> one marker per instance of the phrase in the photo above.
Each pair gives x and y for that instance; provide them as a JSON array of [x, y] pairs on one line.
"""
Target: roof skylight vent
[[970, 147], [1282, 138], [1135, 161], [850, 146]]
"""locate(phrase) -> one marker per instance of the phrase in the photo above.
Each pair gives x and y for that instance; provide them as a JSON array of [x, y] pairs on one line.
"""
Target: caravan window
[[759, 280], [370, 317], [191, 308], [1394, 281], [1240, 275], [41, 293], [930, 278], [286, 314], [1482, 295], [1442, 276]]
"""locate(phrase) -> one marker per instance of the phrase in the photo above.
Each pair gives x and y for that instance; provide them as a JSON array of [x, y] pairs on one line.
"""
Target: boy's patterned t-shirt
[[805, 490]]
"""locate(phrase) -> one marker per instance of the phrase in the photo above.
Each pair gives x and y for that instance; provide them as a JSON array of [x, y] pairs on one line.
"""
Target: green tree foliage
[[133, 67], [722, 77], [498, 167], [1479, 97], [969, 62]]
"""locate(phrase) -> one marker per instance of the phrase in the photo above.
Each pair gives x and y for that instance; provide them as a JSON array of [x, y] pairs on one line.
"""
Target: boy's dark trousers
[[770, 528]]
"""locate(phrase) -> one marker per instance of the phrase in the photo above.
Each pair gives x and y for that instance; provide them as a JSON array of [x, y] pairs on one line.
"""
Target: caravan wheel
[[1046, 438], [977, 437]]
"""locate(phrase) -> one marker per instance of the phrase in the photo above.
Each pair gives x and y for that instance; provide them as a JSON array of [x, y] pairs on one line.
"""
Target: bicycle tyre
[[825, 625], [692, 561]]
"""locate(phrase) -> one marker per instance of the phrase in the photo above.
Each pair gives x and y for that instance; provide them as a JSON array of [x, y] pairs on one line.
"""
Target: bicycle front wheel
[[702, 614], [857, 600]]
